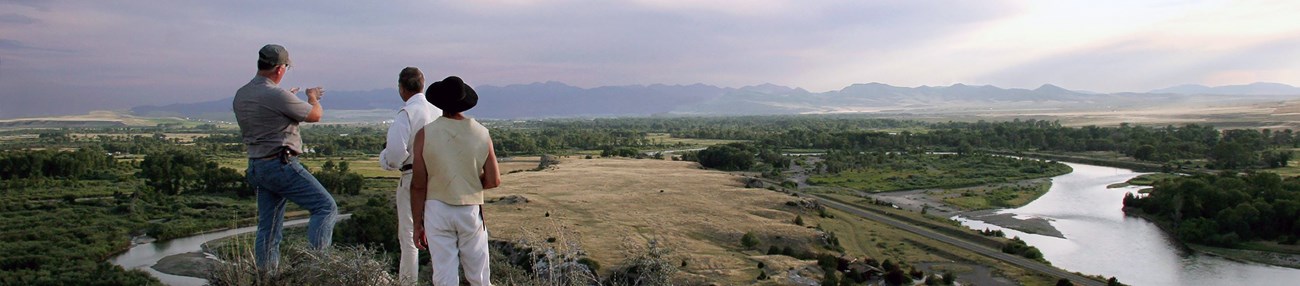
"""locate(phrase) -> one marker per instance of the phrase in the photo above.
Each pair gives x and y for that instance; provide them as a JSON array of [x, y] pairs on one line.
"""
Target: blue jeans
[[275, 182]]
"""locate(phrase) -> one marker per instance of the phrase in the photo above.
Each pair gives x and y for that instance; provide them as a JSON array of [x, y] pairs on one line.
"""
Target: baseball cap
[[273, 55]]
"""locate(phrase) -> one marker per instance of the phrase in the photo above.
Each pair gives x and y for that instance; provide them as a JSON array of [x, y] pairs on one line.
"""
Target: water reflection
[[1100, 240]]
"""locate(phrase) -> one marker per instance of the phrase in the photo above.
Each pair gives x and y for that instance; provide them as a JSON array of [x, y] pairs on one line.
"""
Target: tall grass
[[299, 265], [550, 258]]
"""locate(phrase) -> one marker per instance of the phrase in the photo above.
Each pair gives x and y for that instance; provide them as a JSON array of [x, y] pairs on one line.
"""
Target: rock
[[509, 200], [192, 264]]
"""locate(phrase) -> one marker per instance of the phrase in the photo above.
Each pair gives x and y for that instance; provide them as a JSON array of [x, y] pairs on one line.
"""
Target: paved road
[[993, 253]]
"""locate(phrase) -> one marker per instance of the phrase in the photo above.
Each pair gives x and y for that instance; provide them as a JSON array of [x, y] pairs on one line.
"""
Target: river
[[1101, 240], [144, 256]]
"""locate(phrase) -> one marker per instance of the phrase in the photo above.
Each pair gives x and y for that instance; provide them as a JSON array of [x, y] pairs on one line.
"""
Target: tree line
[[1225, 209], [84, 163], [1175, 146]]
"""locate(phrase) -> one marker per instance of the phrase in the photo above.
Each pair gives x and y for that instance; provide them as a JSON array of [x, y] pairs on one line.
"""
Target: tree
[[726, 157], [1231, 155], [1064, 282], [1113, 282], [173, 171], [889, 265], [798, 220], [338, 179], [1144, 152]]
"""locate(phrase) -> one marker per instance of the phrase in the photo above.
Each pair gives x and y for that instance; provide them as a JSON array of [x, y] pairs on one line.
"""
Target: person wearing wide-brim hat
[[454, 163]]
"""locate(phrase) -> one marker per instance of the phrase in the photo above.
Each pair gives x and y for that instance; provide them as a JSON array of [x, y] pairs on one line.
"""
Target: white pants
[[408, 268], [456, 234]]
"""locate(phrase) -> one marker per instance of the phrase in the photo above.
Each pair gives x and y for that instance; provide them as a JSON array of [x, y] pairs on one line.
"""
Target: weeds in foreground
[[344, 266]]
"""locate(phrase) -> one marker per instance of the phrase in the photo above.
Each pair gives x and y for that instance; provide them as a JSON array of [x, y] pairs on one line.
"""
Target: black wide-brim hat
[[451, 95]]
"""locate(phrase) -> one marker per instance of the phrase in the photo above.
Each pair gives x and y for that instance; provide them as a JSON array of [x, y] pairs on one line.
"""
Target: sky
[[70, 57]]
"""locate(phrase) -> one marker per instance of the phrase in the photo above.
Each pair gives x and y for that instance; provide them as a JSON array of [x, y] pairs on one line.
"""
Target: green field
[[668, 139], [919, 171], [367, 166], [996, 196]]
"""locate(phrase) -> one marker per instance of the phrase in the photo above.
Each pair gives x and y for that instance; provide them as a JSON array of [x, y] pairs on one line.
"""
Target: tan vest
[[454, 154]]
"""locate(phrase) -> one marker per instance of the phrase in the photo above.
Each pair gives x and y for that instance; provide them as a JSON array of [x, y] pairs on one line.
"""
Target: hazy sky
[[73, 56]]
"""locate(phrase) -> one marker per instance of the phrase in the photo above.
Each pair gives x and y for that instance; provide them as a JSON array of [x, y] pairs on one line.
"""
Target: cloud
[[34, 4], [11, 18], [1212, 43], [15, 45], [190, 51]]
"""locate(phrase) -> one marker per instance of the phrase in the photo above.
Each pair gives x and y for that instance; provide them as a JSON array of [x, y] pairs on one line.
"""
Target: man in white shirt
[[396, 156]]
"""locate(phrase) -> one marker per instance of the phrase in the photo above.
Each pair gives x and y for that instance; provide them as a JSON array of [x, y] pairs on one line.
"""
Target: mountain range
[[1259, 88], [554, 99]]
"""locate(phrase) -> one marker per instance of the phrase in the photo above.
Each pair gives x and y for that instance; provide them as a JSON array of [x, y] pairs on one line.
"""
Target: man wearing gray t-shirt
[[268, 119]]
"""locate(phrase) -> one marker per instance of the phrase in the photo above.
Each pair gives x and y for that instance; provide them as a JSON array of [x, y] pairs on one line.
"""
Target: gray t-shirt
[[268, 117]]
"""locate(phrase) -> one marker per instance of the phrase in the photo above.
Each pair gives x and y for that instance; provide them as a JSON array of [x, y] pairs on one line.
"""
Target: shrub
[[749, 240], [650, 266]]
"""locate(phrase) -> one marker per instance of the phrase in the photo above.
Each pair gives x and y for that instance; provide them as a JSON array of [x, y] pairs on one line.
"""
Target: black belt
[[407, 167], [283, 155]]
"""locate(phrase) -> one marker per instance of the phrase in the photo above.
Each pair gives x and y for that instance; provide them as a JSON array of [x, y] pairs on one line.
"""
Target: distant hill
[[1259, 88], [554, 99]]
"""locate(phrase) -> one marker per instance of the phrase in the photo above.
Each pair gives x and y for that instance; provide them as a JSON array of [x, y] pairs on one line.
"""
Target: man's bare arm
[[313, 97], [491, 177], [419, 188]]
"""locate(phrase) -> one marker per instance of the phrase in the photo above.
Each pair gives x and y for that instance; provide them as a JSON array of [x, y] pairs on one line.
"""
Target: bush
[[897, 277], [749, 240], [374, 225], [832, 279], [590, 263], [649, 267]]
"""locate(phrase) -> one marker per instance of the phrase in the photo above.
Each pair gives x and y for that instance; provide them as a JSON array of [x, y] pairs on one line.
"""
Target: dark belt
[[407, 167], [283, 155]]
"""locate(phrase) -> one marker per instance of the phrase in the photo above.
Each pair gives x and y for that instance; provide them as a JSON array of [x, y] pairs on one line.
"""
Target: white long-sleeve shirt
[[416, 113]]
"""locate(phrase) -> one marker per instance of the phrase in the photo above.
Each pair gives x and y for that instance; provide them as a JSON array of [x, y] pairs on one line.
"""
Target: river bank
[[1274, 258], [932, 202], [1117, 162], [1263, 257], [1032, 225]]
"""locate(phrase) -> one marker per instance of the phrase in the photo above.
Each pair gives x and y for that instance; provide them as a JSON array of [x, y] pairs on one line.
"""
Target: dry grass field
[[609, 206]]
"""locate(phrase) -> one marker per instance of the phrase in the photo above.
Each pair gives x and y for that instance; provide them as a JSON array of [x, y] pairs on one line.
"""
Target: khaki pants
[[408, 269], [457, 237]]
